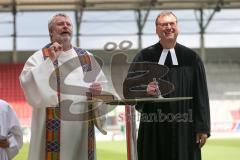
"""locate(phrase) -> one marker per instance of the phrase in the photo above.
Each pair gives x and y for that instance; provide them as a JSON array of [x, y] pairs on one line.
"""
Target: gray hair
[[52, 19], [165, 13]]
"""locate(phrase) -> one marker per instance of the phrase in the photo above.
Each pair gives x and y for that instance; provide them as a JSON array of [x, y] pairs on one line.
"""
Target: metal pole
[[14, 53], [202, 40], [204, 27], [131, 132], [77, 28], [141, 21], [139, 17], [78, 20]]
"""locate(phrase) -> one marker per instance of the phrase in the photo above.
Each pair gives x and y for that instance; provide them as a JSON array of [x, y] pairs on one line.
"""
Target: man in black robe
[[172, 130]]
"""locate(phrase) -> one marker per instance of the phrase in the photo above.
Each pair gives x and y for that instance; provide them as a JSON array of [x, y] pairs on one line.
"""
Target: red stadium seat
[[12, 93]]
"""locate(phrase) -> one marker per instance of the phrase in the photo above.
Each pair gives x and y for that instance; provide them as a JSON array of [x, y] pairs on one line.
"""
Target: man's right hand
[[54, 51]]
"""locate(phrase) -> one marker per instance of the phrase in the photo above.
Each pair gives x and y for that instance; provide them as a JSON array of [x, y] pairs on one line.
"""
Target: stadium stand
[[12, 92]]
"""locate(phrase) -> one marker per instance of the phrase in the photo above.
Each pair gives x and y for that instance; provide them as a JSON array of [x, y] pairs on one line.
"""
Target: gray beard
[[65, 41]]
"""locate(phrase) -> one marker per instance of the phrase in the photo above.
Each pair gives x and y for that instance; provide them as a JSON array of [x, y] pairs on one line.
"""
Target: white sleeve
[[15, 135], [15, 139], [34, 80]]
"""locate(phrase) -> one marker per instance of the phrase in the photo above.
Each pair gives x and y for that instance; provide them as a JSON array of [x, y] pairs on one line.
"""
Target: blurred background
[[109, 27]]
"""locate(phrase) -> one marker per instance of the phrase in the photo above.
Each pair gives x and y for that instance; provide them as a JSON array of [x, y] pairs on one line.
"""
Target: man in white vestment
[[36, 82], [11, 137]]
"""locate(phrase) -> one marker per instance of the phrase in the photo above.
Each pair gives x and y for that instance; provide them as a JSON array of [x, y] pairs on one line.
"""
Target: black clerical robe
[[167, 131]]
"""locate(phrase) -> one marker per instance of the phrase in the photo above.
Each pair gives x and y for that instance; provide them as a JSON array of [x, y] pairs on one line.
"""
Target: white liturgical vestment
[[9, 129], [34, 80]]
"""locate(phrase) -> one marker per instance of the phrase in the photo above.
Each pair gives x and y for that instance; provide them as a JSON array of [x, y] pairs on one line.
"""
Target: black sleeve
[[201, 100]]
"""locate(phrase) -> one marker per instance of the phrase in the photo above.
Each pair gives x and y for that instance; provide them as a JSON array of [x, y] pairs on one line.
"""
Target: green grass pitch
[[215, 149]]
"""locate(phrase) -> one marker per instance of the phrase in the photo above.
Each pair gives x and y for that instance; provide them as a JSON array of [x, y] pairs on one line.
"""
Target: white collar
[[163, 56]]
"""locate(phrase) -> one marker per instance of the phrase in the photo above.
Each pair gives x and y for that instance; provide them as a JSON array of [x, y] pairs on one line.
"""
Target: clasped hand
[[54, 51], [4, 143], [95, 88]]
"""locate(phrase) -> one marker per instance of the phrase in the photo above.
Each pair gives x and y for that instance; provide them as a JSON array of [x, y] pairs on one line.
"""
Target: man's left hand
[[201, 139]]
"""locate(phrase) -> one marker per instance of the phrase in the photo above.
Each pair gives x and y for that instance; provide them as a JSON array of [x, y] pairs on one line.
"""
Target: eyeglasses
[[165, 25]]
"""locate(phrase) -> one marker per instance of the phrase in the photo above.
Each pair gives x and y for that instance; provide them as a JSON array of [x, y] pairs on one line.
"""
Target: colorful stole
[[91, 132], [53, 114]]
